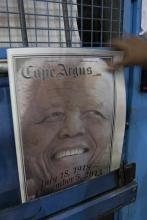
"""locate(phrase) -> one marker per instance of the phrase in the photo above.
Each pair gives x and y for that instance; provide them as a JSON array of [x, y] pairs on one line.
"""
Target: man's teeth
[[66, 153]]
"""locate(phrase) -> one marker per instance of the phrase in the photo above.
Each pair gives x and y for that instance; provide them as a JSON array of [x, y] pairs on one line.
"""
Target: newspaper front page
[[68, 114]]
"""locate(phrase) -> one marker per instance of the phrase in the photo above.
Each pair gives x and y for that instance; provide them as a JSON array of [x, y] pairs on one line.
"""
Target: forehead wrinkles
[[72, 96]]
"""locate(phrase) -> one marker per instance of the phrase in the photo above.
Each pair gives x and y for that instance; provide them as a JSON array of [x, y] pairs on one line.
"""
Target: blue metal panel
[[137, 150], [8, 166], [127, 17], [127, 30], [99, 205], [136, 143], [9, 184], [3, 54], [55, 208]]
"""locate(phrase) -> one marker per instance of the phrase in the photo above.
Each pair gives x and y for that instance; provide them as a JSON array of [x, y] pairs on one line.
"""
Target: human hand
[[135, 52]]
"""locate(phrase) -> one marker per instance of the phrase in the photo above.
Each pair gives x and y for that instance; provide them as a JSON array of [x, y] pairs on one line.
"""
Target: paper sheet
[[69, 116]]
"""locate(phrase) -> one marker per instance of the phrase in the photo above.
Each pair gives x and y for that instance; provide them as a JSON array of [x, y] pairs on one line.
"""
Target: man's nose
[[73, 126]]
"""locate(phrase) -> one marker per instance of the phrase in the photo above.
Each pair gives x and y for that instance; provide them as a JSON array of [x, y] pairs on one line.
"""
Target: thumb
[[122, 63], [117, 64]]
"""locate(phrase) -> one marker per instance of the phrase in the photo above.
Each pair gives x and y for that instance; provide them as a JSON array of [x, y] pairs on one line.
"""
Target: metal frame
[[84, 201], [98, 22], [136, 139], [95, 205]]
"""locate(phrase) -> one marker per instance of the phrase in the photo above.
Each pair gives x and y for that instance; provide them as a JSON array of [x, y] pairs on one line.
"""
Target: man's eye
[[53, 117], [94, 114]]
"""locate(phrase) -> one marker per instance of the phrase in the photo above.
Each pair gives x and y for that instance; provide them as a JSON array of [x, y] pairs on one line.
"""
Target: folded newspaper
[[68, 115]]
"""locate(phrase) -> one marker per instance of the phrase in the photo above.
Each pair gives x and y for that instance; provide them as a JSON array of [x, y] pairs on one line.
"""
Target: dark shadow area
[[100, 22], [89, 23]]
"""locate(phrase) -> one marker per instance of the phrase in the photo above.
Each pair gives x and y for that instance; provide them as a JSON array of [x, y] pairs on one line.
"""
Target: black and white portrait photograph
[[66, 114]]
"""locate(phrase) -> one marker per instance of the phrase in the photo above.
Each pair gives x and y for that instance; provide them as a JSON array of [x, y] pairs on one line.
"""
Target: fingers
[[135, 51], [126, 61], [116, 65], [120, 44], [125, 45]]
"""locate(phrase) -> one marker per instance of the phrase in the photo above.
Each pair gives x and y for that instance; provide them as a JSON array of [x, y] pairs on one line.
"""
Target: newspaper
[[68, 114]]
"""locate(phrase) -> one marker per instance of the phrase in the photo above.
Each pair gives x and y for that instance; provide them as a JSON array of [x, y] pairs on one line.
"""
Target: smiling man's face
[[68, 125]]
